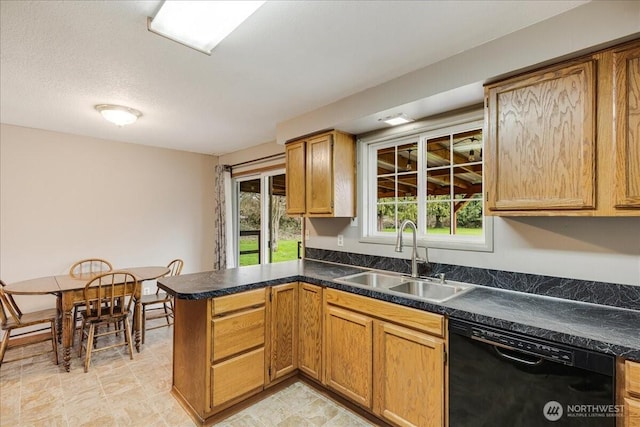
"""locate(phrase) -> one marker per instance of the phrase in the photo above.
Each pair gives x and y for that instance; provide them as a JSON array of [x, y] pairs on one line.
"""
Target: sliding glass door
[[264, 233]]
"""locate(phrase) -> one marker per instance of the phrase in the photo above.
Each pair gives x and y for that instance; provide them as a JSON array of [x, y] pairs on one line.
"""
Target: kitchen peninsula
[[238, 332]]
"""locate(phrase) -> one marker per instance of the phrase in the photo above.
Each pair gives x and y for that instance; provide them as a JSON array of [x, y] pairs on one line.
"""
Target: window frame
[[265, 206], [367, 174]]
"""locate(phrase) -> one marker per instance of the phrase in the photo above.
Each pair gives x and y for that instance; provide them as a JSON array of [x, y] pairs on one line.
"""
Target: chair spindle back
[[116, 289], [90, 267]]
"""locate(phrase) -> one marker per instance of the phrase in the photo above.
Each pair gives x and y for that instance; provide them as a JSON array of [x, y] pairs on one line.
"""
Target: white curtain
[[222, 256]]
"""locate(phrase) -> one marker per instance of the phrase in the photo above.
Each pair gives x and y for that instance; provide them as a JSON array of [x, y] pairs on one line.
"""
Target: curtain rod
[[258, 160]]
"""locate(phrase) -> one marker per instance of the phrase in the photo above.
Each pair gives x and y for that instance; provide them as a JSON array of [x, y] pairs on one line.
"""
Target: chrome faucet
[[415, 259]]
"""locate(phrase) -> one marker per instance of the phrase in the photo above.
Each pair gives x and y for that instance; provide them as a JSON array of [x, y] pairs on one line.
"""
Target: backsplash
[[612, 294]]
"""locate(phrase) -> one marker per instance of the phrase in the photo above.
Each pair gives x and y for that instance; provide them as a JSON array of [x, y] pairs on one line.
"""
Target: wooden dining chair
[[12, 319], [85, 269], [162, 301], [108, 299]]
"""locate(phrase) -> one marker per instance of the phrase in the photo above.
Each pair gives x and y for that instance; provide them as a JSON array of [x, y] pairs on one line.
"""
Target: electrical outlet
[[146, 291], [340, 240]]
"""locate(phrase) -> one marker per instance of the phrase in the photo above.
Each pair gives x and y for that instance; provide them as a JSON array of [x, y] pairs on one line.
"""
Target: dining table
[[70, 289]]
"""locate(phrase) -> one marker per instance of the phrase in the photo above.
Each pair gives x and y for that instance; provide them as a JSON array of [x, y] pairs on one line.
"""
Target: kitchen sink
[[429, 289], [373, 279]]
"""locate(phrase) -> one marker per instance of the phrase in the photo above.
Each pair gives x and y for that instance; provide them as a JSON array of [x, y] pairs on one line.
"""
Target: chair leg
[[166, 313], [90, 338], [127, 332], [3, 345], [143, 321], [54, 338], [59, 319], [81, 337], [75, 326], [95, 337]]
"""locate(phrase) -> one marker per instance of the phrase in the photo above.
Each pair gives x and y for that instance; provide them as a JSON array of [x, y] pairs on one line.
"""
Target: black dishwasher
[[501, 378]]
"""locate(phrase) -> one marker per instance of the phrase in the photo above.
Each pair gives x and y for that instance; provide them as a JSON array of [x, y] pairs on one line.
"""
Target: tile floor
[[121, 392]]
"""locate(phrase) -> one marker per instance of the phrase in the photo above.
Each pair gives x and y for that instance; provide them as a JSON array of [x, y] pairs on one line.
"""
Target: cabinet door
[[627, 126], [320, 175], [349, 354], [541, 140], [284, 330], [408, 363], [631, 412], [310, 330], [295, 177]]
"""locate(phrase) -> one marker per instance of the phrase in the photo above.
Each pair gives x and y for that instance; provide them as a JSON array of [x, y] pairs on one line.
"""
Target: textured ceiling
[[60, 58]]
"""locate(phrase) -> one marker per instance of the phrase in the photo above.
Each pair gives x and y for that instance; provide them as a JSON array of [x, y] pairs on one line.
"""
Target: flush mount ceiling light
[[200, 25], [396, 119], [118, 115]]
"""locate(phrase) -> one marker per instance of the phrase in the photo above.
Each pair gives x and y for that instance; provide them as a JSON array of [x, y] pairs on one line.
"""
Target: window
[[435, 179], [263, 232]]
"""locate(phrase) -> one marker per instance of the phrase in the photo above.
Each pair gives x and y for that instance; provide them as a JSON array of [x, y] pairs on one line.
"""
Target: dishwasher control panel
[[529, 346]]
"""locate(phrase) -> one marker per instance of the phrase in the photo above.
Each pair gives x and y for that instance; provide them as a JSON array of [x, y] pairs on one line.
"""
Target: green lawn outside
[[287, 251]]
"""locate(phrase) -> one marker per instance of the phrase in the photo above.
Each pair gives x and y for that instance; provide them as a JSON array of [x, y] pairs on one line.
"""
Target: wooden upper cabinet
[[542, 139], [321, 175], [295, 177], [627, 125], [565, 140]]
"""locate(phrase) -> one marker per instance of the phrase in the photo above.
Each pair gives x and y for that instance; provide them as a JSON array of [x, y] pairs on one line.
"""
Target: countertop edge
[[552, 335]]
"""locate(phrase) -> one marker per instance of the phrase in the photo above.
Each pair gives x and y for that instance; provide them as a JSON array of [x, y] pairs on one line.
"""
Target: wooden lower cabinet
[[349, 355], [408, 363], [218, 351], [284, 331], [628, 392], [237, 376], [631, 412], [310, 325], [385, 358]]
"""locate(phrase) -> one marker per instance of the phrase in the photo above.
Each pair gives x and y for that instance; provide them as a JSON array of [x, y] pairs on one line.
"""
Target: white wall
[[256, 152], [602, 249], [66, 197], [583, 27]]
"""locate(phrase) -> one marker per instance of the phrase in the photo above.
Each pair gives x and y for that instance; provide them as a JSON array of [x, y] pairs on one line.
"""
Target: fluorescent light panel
[[201, 24], [398, 119]]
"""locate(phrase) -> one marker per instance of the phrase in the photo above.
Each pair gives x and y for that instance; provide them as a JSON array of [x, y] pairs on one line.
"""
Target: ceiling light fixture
[[397, 119], [118, 114], [200, 25]]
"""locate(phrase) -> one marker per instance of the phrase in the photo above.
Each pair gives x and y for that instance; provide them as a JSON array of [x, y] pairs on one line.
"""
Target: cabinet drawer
[[631, 412], [417, 319], [238, 332], [632, 374], [238, 376], [238, 301]]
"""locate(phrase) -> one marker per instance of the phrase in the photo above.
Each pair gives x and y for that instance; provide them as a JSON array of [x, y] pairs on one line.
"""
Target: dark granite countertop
[[596, 327]]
